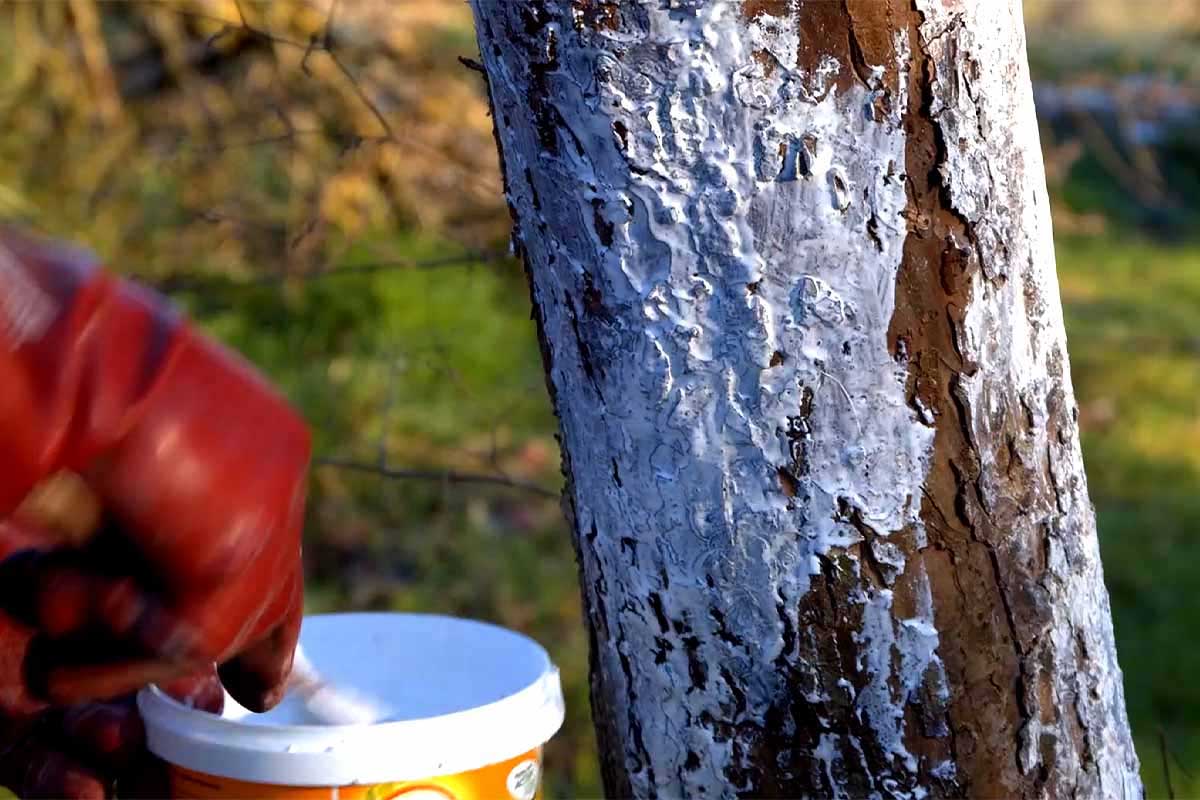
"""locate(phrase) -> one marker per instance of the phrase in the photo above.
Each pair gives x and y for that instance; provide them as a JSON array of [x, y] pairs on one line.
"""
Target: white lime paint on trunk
[[714, 237]]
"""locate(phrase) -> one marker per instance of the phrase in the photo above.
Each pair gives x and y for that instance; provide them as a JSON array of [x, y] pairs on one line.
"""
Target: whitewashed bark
[[792, 268]]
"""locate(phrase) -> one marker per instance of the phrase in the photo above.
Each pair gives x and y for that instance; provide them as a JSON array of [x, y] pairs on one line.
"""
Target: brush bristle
[[340, 707], [329, 704]]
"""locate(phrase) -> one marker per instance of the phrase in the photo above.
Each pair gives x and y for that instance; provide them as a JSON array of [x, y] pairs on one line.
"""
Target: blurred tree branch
[[192, 282], [95, 53], [438, 476]]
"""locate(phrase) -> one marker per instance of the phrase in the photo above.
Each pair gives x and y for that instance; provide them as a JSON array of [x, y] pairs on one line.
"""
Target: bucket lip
[[326, 755]]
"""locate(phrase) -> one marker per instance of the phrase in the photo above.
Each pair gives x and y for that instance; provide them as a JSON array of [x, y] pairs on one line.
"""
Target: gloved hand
[[87, 751], [91, 750], [198, 465]]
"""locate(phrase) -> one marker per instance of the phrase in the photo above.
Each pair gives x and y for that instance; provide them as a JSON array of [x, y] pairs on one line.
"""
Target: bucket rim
[[342, 755]]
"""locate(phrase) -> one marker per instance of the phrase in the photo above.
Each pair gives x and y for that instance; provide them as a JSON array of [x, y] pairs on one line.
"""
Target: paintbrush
[[66, 509], [331, 704]]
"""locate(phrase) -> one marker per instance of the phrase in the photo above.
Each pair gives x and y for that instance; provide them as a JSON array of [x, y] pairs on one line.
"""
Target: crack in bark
[[724, 634], [593, 371], [857, 59], [645, 763], [853, 515]]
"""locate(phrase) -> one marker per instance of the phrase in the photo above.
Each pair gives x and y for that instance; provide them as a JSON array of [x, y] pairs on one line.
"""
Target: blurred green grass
[[1065, 54], [1131, 309]]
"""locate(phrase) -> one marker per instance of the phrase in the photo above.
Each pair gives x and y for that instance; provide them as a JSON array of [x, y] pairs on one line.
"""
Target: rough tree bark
[[792, 269]]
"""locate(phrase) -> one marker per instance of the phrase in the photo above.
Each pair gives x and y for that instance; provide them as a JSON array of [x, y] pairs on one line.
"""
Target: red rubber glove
[[95, 749], [200, 465]]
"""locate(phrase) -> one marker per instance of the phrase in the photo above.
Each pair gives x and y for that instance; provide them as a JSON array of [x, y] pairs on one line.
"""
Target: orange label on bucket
[[518, 779]]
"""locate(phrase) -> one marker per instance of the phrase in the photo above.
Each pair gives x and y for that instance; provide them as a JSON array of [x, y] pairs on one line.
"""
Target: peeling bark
[[793, 276]]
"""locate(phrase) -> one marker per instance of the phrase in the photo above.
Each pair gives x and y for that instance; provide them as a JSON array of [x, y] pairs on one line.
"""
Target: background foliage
[[318, 186]]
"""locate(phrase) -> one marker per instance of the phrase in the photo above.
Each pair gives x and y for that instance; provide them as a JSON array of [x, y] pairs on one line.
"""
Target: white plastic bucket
[[471, 705]]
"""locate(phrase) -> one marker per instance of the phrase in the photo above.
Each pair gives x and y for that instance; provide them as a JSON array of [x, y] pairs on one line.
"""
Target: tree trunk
[[793, 273]]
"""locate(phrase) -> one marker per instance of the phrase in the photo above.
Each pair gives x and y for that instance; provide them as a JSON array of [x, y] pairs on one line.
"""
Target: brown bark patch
[[988, 605], [596, 15], [753, 9], [855, 33], [872, 25]]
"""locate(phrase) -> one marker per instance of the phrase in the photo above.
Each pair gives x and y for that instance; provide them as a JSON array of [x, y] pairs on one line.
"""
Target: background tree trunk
[[792, 268]]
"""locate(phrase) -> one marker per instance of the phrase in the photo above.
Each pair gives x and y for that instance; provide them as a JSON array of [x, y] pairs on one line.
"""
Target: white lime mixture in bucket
[[459, 696]]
